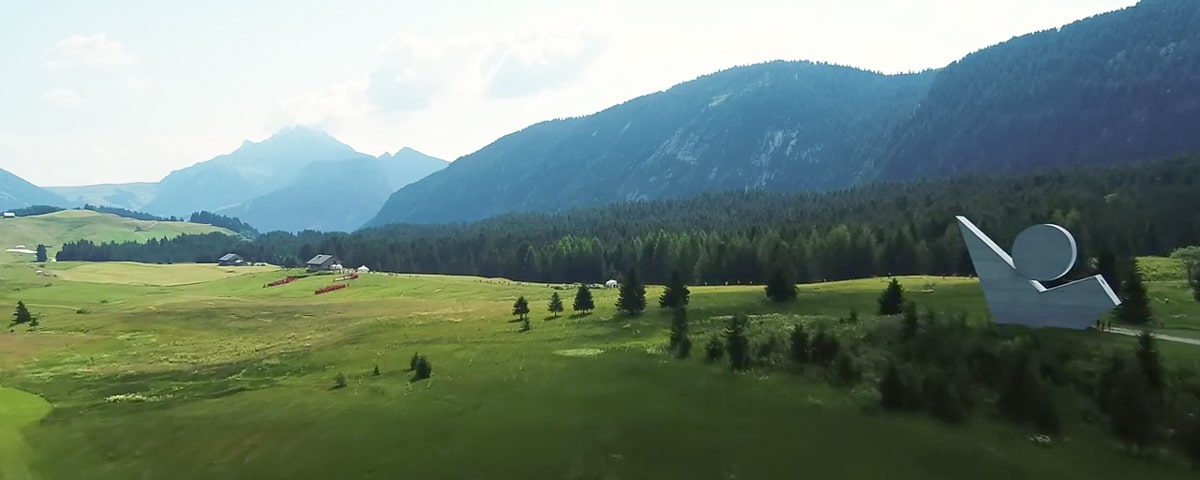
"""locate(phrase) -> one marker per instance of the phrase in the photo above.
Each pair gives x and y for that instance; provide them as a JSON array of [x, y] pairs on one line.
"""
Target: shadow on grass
[[579, 315]]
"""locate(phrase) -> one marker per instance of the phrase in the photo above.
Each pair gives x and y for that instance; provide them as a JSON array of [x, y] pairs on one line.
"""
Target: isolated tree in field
[[556, 306], [632, 299], [375, 371], [1135, 305], [583, 299], [22, 316], [521, 308], [40, 253], [422, 369], [798, 348], [675, 294], [681, 346], [910, 323], [736, 343], [781, 287], [892, 300]]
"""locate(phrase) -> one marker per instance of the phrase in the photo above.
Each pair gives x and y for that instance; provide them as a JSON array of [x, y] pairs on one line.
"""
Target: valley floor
[[225, 378]]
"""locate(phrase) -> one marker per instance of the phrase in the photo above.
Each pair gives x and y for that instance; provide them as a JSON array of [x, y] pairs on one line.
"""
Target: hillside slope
[[57, 228], [1115, 87], [15, 192], [130, 196]]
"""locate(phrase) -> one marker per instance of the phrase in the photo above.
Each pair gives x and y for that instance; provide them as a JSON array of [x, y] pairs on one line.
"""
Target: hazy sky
[[123, 91]]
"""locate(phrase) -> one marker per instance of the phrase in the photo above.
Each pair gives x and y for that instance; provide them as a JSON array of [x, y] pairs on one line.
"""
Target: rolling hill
[[57, 228], [1112, 88], [130, 196], [15, 192]]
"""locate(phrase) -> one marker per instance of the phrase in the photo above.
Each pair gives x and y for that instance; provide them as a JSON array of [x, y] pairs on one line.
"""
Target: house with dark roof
[[321, 263], [231, 260]]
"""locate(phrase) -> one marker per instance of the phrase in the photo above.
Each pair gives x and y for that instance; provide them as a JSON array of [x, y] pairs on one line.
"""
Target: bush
[[422, 369], [845, 369], [714, 349], [375, 372], [339, 381]]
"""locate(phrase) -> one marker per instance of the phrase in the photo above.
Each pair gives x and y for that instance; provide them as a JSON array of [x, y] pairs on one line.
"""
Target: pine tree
[[1106, 266], [1132, 417], [1195, 283], [1151, 366], [910, 325], [22, 316], [798, 345], [375, 371], [681, 346], [556, 305], [632, 299], [676, 294], [781, 287], [583, 299], [1135, 305], [893, 395], [892, 300], [41, 253], [521, 308], [736, 343], [422, 369]]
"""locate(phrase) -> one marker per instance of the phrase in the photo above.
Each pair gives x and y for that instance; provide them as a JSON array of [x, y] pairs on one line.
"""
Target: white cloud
[[530, 64], [93, 50], [415, 69], [63, 98], [137, 83], [324, 108]]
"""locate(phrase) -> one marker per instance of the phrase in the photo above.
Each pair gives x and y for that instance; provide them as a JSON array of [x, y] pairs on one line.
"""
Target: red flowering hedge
[[282, 282], [352, 276], [329, 288]]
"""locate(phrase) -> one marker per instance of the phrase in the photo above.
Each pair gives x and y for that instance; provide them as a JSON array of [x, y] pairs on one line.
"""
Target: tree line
[[1143, 208]]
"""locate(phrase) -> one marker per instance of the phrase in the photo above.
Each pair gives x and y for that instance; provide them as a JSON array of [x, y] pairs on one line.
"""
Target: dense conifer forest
[[1145, 208]]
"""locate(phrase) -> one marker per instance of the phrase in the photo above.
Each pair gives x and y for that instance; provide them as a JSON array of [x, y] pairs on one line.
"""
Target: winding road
[[1165, 338]]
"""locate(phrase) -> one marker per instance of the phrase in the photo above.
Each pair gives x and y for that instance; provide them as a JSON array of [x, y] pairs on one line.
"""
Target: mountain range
[[1112, 88], [299, 178]]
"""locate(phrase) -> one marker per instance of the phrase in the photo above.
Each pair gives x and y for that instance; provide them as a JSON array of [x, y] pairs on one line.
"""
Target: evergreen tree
[[781, 287], [375, 371], [891, 301], [798, 345], [1018, 396], [713, 350], [824, 347], [681, 346], [1132, 415], [556, 305], [845, 368], [412, 362], [736, 343], [1106, 383], [41, 253], [22, 316], [675, 294], [632, 299], [1151, 366], [1195, 284], [892, 392], [583, 299], [910, 325], [1106, 266], [521, 308], [422, 369], [1135, 305]]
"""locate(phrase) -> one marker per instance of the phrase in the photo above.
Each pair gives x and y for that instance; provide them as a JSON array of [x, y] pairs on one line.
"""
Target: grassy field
[[129, 273], [57, 228], [228, 379]]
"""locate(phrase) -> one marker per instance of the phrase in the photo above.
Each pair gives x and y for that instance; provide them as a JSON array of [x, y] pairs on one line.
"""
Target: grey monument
[[1013, 287]]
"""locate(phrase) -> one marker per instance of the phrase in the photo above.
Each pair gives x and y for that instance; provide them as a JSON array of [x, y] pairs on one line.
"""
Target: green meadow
[[190, 371], [70, 225]]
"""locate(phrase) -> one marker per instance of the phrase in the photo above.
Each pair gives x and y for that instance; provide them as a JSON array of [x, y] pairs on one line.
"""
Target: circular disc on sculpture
[[1044, 252]]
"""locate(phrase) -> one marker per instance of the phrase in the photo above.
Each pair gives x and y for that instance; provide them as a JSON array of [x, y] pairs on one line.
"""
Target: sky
[[128, 91]]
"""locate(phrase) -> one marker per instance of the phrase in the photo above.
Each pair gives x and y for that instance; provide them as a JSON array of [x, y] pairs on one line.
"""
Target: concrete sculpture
[[1013, 287]]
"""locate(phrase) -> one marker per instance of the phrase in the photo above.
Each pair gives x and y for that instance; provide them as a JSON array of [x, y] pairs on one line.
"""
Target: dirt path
[[1165, 338], [17, 409]]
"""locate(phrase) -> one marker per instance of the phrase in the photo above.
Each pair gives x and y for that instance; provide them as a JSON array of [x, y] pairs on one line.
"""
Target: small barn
[[363, 269], [321, 263], [231, 260]]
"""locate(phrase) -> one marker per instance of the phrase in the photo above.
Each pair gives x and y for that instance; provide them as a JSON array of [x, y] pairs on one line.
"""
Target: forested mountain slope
[[1112, 88]]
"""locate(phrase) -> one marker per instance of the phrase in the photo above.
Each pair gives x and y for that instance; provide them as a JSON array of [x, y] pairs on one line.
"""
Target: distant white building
[[10, 215], [610, 284], [363, 269]]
